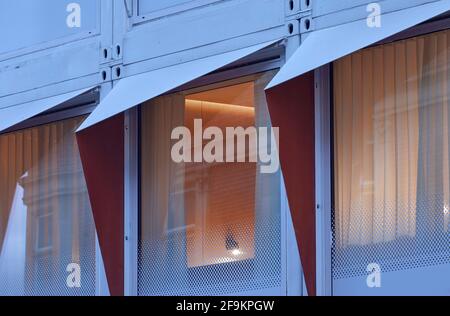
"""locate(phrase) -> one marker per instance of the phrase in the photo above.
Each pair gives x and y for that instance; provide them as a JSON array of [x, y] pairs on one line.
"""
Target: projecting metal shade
[[326, 45], [133, 90], [15, 114]]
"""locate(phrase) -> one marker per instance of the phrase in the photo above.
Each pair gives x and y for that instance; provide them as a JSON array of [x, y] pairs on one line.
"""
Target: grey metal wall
[[153, 39], [41, 56], [328, 13]]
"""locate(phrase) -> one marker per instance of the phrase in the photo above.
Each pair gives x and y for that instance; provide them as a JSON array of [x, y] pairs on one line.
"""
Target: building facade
[[225, 147]]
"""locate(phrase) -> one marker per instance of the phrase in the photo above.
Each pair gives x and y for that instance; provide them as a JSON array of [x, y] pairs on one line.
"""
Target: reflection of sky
[[24, 23], [13, 250]]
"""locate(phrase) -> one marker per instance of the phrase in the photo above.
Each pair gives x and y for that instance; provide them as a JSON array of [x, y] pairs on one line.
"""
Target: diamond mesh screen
[[46, 222], [163, 268], [206, 228], [428, 249], [391, 157]]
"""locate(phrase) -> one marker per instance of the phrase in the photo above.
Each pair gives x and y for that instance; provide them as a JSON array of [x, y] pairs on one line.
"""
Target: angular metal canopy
[[326, 45], [133, 90], [15, 114]]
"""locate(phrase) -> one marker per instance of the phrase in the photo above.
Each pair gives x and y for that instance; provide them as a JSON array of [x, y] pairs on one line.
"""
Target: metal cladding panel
[[291, 108], [24, 23], [148, 6], [322, 7], [330, 12], [199, 27], [132, 91], [50, 48], [72, 61], [326, 45]]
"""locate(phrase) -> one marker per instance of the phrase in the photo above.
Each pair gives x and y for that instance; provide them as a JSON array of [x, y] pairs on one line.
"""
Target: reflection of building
[[363, 114], [59, 227]]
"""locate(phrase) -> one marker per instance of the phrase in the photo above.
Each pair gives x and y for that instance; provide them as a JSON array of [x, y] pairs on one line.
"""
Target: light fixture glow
[[232, 245], [236, 252]]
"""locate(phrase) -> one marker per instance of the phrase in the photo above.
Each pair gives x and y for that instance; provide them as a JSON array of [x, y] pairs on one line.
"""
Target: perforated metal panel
[[431, 247], [47, 230], [207, 228], [163, 266], [45, 278], [391, 157]]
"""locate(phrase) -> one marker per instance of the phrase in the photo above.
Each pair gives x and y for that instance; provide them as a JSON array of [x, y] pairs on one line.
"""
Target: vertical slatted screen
[[392, 137]]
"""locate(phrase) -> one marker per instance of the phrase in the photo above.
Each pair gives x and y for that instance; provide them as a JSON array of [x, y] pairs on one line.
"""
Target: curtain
[[160, 175], [193, 203], [162, 192], [267, 193], [391, 141], [225, 190], [44, 165], [434, 87], [207, 227]]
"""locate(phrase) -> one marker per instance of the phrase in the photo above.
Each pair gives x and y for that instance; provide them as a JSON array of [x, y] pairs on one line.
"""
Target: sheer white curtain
[[434, 133], [44, 204], [391, 140], [207, 227], [162, 187]]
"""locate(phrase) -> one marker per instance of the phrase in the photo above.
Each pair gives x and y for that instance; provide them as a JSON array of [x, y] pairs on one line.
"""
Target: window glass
[[391, 156], [46, 225], [219, 196], [207, 227]]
